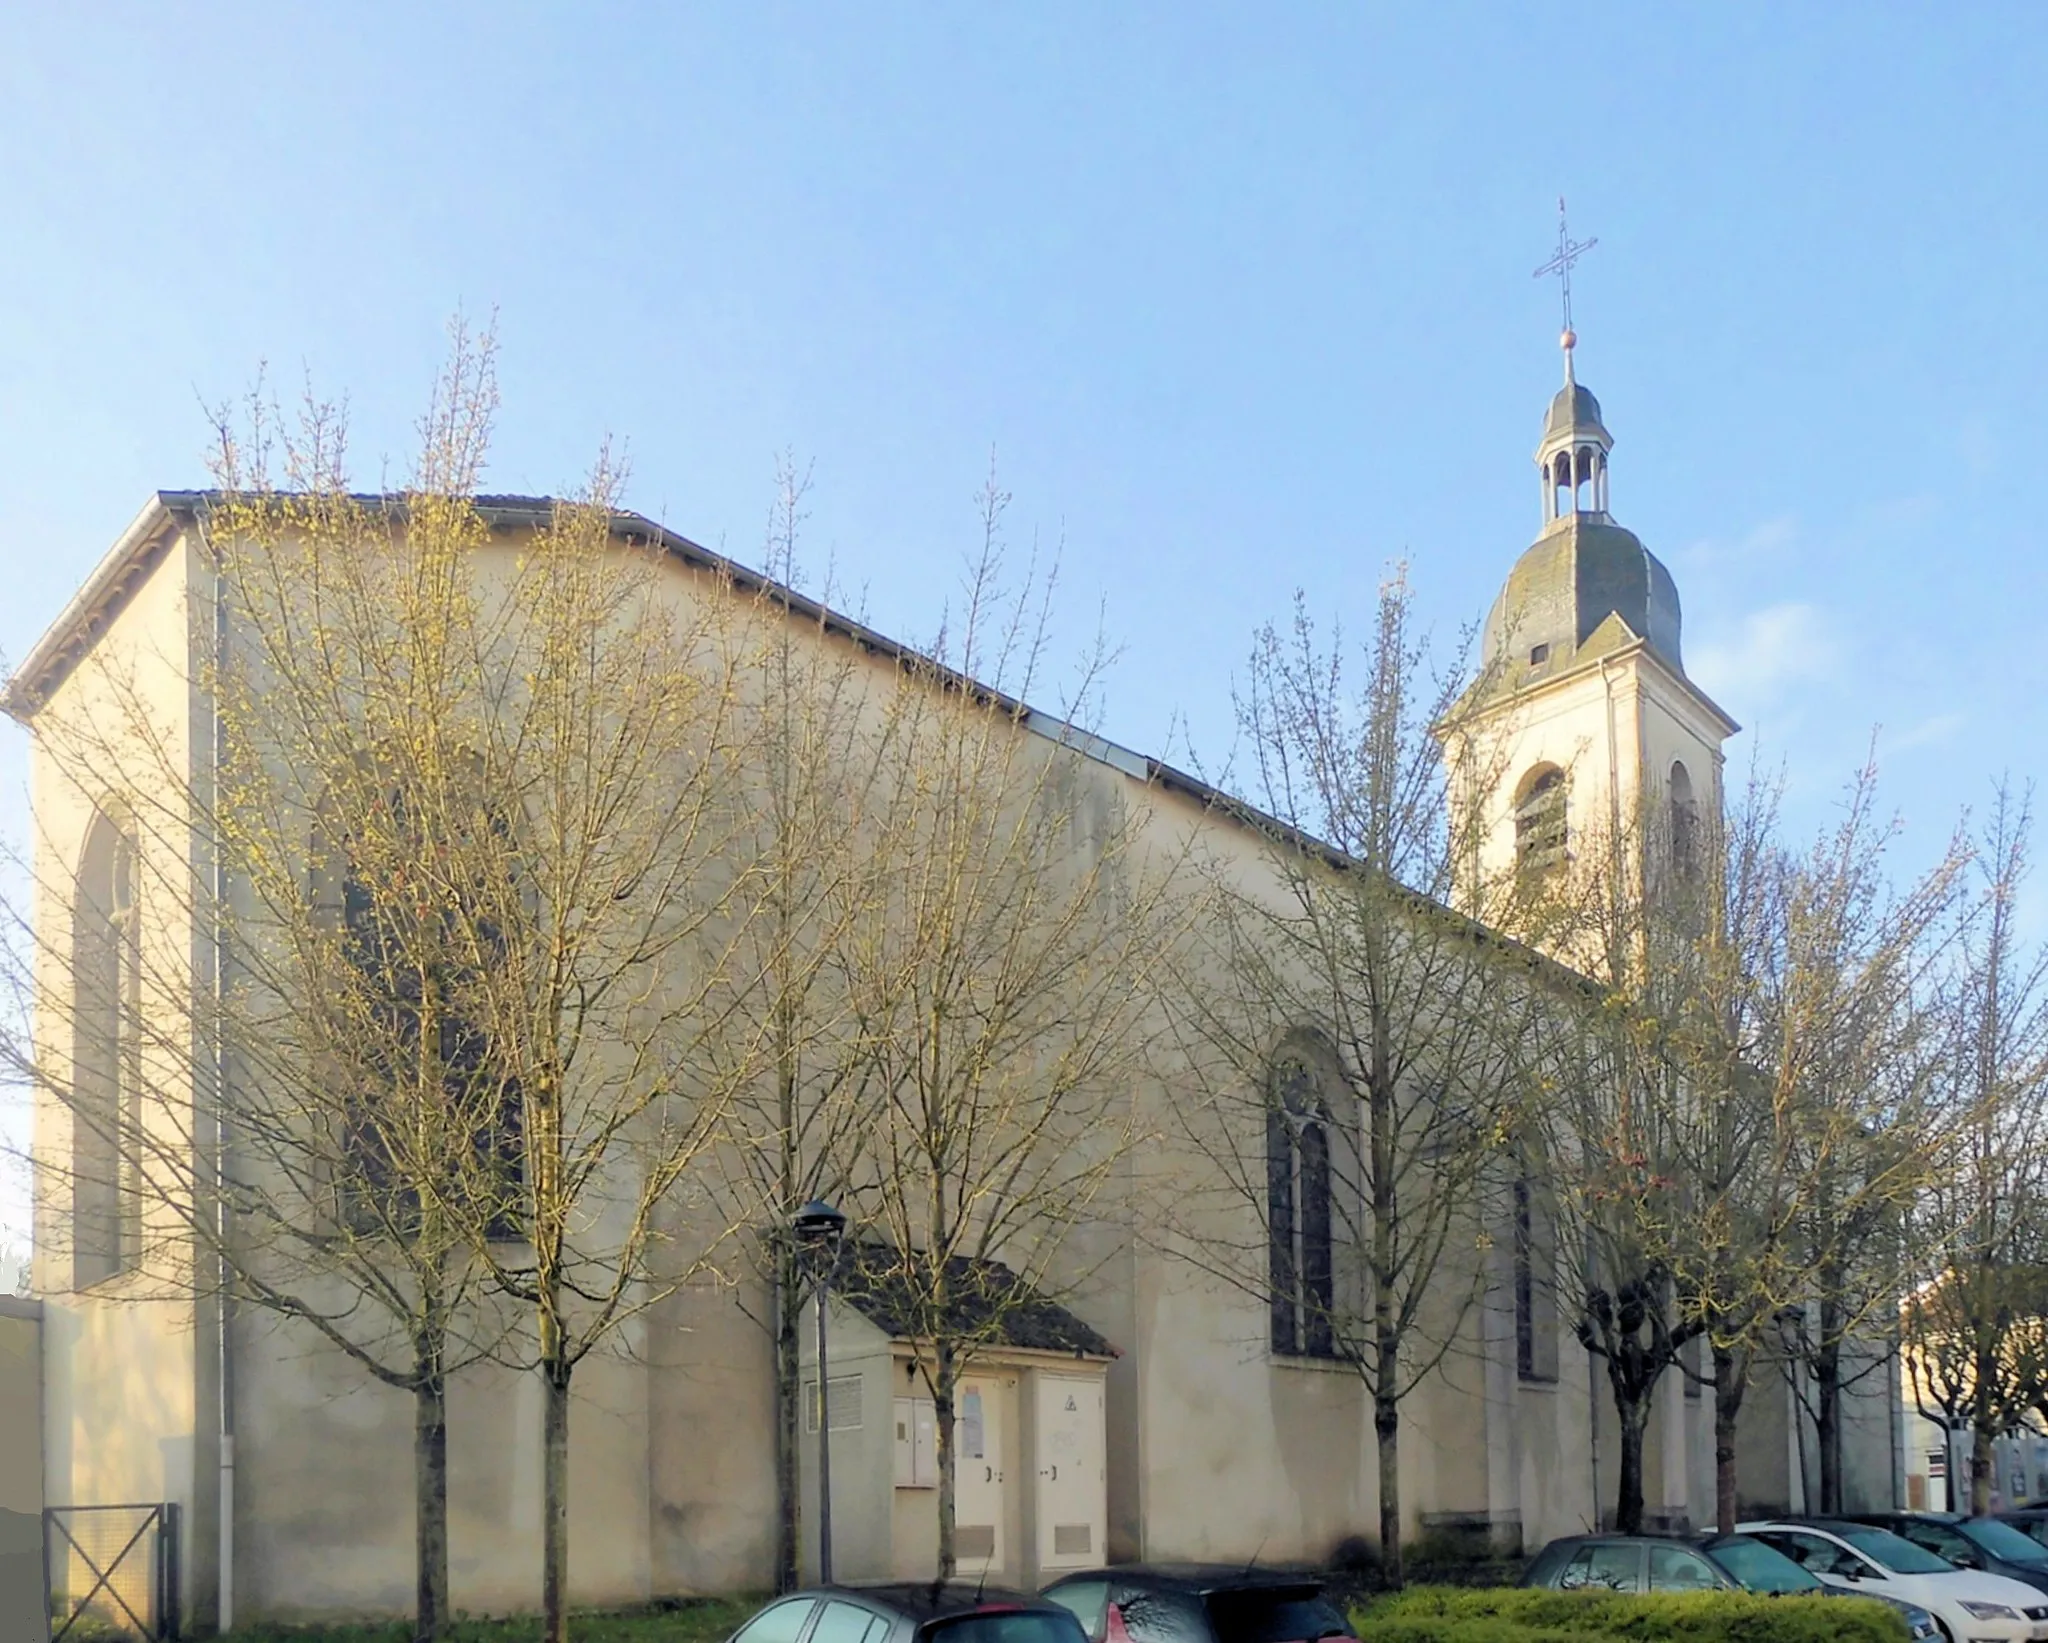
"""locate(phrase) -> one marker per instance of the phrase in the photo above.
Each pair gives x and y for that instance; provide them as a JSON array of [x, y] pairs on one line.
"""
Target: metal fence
[[113, 1572]]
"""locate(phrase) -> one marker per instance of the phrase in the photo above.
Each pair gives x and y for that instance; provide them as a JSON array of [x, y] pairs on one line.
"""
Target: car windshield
[[1895, 1553], [1005, 1626], [2003, 1540], [1274, 1617], [1759, 1568]]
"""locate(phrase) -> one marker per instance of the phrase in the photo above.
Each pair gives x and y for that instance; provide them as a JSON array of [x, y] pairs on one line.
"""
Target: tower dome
[[1586, 586], [1575, 413]]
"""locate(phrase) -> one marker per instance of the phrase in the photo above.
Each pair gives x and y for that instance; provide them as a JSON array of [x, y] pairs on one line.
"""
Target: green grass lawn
[[709, 1620]]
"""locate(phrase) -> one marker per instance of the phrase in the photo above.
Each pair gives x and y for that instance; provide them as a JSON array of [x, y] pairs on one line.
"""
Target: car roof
[[1204, 1578], [1908, 1517], [1826, 1525], [928, 1599]]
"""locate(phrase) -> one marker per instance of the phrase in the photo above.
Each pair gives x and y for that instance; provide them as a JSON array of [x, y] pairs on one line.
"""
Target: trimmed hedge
[[1438, 1614]]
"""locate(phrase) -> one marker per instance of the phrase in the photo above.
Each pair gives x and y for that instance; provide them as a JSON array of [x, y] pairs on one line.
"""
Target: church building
[[1187, 1428]]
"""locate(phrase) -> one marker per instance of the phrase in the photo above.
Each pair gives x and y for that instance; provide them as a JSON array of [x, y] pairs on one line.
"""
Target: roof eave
[[1582, 667], [1003, 1349], [109, 585]]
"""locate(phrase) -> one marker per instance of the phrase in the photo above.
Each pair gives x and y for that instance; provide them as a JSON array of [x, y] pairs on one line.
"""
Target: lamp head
[[818, 1223]]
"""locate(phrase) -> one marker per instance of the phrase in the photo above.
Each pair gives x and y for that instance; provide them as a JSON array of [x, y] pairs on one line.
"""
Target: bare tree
[[475, 800], [818, 751], [1852, 1052], [1970, 1323], [322, 1134], [1000, 981], [1748, 1113], [1367, 1050]]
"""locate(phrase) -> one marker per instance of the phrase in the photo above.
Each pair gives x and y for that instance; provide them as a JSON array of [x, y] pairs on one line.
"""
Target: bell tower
[[1582, 736]]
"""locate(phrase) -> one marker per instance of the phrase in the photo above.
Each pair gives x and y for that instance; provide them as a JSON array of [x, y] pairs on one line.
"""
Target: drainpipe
[[1592, 1399], [224, 1304]]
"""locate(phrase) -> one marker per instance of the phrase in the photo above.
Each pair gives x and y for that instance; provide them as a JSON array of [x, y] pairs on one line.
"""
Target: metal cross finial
[[1569, 251]]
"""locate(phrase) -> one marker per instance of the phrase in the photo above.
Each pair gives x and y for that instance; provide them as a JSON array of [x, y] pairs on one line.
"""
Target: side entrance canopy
[[1030, 1444]]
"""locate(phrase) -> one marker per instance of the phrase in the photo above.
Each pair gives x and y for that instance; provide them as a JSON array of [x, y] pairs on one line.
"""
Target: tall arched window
[[410, 938], [1536, 1343], [1540, 820], [1300, 1264], [106, 1097], [1685, 821]]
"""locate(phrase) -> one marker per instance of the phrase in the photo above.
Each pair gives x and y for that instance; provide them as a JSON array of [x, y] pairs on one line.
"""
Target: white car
[[1969, 1605]]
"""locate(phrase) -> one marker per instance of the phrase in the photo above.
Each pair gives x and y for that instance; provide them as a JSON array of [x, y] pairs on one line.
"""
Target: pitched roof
[[986, 1302], [145, 540]]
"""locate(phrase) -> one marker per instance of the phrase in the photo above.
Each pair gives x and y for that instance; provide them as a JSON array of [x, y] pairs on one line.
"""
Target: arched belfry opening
[[1683, 820], [1540, 828]]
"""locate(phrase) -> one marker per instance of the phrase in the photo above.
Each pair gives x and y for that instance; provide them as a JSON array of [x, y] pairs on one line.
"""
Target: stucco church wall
[[127, 1416], [1477, 1446], [1241, 1449], [324, 1480], [711, 1440]]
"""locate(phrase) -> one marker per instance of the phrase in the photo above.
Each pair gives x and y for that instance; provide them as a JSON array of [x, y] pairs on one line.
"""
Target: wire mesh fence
[[113, 1572]]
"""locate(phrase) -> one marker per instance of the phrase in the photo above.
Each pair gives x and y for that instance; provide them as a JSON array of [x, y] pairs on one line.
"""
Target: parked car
[[1970, 1542], [1658, 1563], [1646, 1563], [1969, 1605], [1172, 1603], [2031, 1521], [924, 1612]]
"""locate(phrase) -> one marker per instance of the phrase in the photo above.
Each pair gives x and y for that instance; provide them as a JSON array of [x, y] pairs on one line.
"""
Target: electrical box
[[917, 1444]]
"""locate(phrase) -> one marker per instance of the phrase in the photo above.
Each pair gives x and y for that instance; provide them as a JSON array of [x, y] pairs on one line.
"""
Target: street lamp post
[[819, 1227]]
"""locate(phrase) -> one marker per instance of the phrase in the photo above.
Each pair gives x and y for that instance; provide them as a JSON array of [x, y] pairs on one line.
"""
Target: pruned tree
[[319, 1129], [1852, 1051], [473, 807], [1651, 1122], [1713, 919], [1748, 1112], [1365, 1052], [1619, 1194], [1000, 980], [1978, 1230], [819, 741]]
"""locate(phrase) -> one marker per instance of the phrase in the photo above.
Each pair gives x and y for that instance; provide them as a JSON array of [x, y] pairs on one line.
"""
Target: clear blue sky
[[1240, 296]]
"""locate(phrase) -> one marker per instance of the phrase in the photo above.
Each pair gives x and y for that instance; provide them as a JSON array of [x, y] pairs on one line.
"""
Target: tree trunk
[[554, 1580], [1827, 1418], [1731, 1381], [1386, 1255], [788, 1411], [430, 1502], [1628, 1497], [942, 1412], [1386, 1426], [1983, 1434]]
